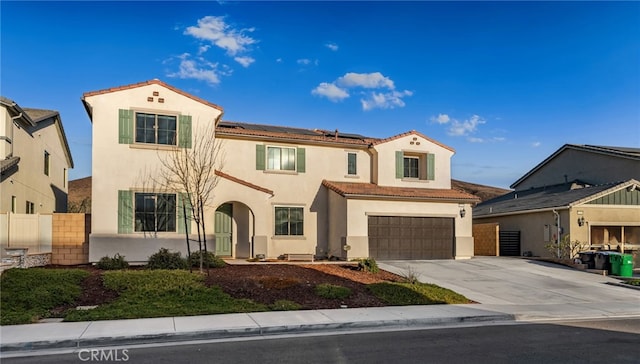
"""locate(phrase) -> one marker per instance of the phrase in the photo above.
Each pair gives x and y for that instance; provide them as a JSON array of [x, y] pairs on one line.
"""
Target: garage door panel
[[408, 237]]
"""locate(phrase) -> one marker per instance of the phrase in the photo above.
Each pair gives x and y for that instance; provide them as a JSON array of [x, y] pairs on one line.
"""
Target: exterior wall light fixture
[[462, 210]]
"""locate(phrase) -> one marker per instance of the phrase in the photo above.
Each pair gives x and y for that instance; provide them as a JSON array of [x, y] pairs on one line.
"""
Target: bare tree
[[191, 170]]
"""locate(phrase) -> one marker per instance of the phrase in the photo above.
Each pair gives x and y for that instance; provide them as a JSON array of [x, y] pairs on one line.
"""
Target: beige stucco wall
[[532, 225], [29, 182], [122, 166], [358, 211], [386, 162]]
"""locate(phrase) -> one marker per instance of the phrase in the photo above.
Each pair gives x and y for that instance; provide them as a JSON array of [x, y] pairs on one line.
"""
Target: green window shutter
[[184, 131], [399, 164], [260, 157], [183, 200], [431, 167], [125, 126], [125, 212], [300, 160]]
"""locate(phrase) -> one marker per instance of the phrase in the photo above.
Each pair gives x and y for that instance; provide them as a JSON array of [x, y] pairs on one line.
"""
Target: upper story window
[[46, 162], [30, 207], [155, 212], [415, 166], [352, 164], [411, 167], [280, 158], [156, 129], [148, 128]]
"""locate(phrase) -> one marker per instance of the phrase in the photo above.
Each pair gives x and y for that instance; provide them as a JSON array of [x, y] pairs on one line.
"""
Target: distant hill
[[483, 192], [80, 192], [79, 199]]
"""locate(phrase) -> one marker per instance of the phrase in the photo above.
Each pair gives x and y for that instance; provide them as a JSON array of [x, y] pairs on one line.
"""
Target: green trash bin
[[626, 265], [615, 259]]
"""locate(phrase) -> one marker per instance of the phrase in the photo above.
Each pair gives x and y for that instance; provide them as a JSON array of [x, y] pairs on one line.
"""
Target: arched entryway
[[234, 226]]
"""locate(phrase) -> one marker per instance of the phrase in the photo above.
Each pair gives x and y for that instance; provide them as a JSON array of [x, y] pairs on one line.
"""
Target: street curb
[[81, 343]]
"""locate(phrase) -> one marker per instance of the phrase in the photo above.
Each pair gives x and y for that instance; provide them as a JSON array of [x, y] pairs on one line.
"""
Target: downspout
[[557, 214]]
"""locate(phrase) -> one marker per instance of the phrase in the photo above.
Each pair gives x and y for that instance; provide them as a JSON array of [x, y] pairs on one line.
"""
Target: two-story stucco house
[[34, 160], [281, 191]]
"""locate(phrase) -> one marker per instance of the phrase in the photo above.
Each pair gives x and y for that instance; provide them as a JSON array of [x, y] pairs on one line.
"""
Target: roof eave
[[220, 133]]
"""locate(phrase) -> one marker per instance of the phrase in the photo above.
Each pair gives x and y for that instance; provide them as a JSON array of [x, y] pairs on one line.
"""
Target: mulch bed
[[266, 283]]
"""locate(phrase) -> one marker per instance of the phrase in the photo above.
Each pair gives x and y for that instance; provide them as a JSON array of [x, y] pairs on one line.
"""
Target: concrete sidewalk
[[43, 336]]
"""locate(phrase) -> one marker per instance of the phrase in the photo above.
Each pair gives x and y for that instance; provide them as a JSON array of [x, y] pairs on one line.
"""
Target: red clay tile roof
[[243, 182], [151, 82], [346, 189]]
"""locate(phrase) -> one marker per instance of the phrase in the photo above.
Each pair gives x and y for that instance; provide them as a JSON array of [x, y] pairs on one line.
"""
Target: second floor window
[[281, 159], [411, 167], [46, 162], [352, 164], [156, 129], [30, 207], [155, 212]]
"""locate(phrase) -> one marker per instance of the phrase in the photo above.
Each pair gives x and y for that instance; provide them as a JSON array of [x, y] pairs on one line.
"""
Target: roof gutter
[[401, 198], [547, 209]]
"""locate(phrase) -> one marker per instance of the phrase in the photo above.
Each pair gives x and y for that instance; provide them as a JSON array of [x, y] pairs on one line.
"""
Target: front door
[[223, 230]]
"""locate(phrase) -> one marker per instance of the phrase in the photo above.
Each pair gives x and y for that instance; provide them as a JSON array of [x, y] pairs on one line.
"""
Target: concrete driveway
[[517, 281]]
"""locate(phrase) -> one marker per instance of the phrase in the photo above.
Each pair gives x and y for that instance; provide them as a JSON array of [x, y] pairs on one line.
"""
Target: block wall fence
[[70, 240]]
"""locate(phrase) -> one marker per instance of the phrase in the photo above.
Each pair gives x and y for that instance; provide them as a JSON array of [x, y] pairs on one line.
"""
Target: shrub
[[326, 290], [368, 265], [108, 263], [285, 305], [209, 260], [164, 259]]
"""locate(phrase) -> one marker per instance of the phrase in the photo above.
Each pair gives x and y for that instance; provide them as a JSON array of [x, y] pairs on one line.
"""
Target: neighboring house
[[281, 191], [35, 159], [592, 190]]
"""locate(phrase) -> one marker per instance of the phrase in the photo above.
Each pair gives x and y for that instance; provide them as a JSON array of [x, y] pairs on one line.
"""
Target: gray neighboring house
[[592, 190]]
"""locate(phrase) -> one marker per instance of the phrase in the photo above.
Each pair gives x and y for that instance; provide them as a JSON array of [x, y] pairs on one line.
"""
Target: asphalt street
[[612, 341]]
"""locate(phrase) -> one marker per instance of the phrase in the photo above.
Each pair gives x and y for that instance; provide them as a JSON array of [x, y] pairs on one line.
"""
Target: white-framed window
[[412, 165], [281, 158], [30, 207], [155, 128], [14, 204], [155, 212], [289, 221], [352, 164]]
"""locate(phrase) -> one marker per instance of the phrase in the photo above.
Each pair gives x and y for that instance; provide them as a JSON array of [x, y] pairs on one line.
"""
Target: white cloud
[[245, 61], [304, 61], [278, 60], [199, 69], [365, 80], [332, 46], [441, 119], [215, 30], [203, 48], [536, 144], [475, 140], [466, 127], [378, 91], [330, 91], [387, 100]]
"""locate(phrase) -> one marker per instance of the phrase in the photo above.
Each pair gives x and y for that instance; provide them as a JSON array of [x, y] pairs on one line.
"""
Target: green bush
[[108, 263], [330, 291], [209, 260], [164, 259], [28, 294], [368, 265]]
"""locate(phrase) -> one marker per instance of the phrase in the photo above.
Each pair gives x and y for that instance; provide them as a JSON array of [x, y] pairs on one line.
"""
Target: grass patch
[[162, 293], [29, 294], [285, 305], [331, 291], [400, 294]]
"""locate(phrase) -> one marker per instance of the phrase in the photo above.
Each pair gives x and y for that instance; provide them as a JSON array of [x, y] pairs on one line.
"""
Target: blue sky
[[503, 83]]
